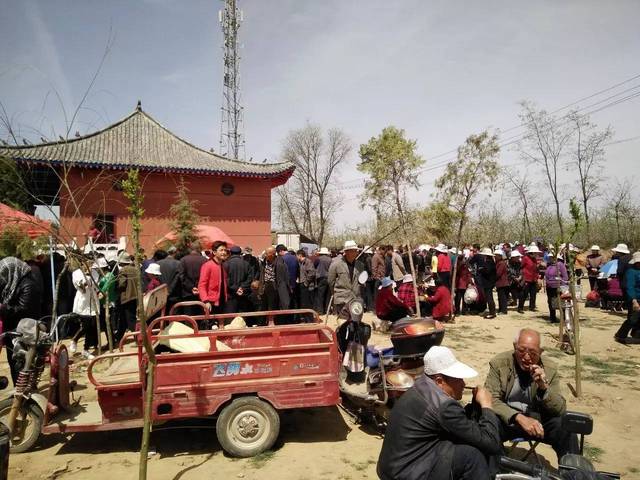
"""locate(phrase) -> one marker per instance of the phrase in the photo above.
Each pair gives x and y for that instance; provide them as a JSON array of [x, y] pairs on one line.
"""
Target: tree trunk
[[454, 272], [586, 220], [413, 274]]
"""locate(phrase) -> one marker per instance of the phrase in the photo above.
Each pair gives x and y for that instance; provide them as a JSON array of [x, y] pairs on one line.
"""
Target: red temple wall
[[244, 215]]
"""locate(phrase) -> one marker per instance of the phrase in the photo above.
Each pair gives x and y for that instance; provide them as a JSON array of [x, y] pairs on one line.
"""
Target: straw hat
[[621, 248], [350, 245], [153, 269], [441, 248]]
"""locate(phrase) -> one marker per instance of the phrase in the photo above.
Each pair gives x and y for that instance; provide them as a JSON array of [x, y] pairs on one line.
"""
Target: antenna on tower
[[231, 136]]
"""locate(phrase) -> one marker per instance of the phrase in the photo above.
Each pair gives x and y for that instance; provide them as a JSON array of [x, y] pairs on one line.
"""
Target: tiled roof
[[139, 141]]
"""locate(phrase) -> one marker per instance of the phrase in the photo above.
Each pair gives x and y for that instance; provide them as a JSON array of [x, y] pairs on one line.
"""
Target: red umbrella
[[32, 226], [206, 233]]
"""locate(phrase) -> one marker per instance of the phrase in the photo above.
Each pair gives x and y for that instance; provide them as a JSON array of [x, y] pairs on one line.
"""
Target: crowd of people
[[228, 279]]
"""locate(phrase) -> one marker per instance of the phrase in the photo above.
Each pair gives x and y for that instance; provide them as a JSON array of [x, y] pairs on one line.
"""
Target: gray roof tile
[[139, 141]]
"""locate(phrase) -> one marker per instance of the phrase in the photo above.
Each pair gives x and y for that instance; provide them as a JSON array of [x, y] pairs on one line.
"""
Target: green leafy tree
[[437, 221], [184, 218], [392, 164], [476, 170], [13, 191]]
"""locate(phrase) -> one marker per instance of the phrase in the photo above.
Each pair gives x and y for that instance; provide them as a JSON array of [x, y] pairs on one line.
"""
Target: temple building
[[232, 195]]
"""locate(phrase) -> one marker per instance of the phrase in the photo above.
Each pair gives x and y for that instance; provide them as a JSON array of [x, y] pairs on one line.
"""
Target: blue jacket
[[632, 283]]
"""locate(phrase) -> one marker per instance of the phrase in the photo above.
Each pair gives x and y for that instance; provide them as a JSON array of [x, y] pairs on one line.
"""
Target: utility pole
[[231, 136]]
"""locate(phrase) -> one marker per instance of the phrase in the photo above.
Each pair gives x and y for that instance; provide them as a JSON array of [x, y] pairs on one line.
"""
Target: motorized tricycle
[[373, 380], [241, 376]]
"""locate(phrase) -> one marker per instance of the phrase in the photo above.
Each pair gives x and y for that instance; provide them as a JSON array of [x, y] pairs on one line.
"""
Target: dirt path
[[325, 444]]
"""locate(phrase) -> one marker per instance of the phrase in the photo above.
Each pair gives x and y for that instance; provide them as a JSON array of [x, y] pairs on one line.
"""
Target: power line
[[514, 127]]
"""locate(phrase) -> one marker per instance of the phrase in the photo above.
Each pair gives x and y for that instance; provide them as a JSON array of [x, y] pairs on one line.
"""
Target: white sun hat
[[621, 248], [635, 258], [153, 269], [441, 248], [324, 251], [408, 278], [350, 245], [595, 247], [515, 254], [486, 251], [441, 360], [500, 252], [100, 263], [532, 249]]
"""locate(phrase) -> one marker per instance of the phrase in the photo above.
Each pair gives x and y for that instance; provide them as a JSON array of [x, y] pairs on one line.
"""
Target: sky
[[440, 70]]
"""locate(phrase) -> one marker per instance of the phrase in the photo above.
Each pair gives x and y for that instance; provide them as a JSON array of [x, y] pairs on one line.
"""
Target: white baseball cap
[[441, 360]]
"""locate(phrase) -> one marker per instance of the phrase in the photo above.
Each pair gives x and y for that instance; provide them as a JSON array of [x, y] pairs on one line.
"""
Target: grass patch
[[261, 459], [601, 371], [593, 453]]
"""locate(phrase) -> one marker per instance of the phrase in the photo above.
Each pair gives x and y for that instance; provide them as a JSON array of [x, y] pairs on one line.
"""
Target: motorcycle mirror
[[363, 277]]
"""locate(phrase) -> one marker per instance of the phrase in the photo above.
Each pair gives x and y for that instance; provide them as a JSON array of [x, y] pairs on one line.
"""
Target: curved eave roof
[[139, 141]]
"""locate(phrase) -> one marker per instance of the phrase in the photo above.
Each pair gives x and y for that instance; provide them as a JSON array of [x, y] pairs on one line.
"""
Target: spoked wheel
[[28, 424], [247, 426], [568, 340]]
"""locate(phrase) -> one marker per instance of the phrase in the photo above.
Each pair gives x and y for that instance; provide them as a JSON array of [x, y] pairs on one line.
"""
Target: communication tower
[[231, 136]]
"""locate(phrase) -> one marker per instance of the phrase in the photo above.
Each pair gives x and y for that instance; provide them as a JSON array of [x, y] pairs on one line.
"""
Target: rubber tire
[[239, 405], [36, 415]]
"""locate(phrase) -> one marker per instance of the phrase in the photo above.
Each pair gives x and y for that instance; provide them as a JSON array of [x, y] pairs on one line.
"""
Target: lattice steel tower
[[231, 136]]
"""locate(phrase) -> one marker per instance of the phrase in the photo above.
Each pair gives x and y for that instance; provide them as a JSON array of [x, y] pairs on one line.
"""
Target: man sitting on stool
[[526, 395]]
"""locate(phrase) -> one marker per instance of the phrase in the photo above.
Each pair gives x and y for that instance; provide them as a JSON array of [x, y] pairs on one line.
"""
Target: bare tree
[[544, 144], [476, 169], [308, 200], [620, 202], [520, 187], [588, 157]]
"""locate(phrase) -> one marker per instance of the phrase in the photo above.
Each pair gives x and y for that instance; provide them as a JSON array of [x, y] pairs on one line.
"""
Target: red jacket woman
[[441, 301], [213, 280]]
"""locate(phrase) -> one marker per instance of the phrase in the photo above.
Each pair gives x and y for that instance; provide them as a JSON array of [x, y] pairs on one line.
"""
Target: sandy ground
[[326, 444]]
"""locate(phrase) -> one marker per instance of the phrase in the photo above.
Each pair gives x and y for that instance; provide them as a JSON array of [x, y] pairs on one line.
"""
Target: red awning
[[32, 226]]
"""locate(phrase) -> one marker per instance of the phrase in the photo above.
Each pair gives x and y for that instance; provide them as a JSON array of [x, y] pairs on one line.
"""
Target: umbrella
[[206, 233], [32, 226], [609, 268]]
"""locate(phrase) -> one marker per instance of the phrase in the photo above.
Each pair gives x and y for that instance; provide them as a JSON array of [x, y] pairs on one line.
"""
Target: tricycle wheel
[[28, 424], [247, 426]]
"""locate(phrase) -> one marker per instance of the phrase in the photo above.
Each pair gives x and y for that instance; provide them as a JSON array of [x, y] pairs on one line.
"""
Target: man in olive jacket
[[526, 395]]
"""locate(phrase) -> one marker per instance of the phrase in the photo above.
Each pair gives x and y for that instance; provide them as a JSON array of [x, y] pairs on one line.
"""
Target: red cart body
[[287, 366]]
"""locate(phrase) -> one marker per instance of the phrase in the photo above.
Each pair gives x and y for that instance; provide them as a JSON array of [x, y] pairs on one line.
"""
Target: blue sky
[[439, 69]]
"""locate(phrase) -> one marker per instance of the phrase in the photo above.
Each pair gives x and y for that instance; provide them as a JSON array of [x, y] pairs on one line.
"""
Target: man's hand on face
[[483, 397], [537, 373], [531, 426]]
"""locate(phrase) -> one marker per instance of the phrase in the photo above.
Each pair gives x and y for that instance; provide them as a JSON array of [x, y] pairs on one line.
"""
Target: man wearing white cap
[[343, 276], [429, 434], [594, 261]]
